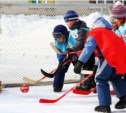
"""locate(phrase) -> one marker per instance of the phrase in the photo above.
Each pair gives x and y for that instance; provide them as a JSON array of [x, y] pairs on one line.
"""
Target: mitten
[[77, 67], [69, 49]]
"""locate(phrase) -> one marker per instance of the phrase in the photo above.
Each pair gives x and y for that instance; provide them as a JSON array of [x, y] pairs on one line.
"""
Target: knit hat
[[59, 31], [119, 11], [70, 15]]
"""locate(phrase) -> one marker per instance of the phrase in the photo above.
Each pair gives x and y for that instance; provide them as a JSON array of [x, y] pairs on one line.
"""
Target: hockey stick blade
[[49, 75], [31, 81], [80, 92], [47, 101], [55, 100]]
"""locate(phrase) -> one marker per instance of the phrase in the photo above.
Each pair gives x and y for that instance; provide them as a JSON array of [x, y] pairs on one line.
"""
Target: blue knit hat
[[60, 30], [70, 15]]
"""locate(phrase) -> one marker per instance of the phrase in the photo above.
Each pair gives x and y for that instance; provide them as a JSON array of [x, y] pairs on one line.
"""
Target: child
[[112, 52], [60, 34], [78, 34], [115, 26], [119, 14]]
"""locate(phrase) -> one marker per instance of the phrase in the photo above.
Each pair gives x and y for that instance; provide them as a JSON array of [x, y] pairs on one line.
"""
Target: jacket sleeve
[[80, 40], [82, 35], [88, 50]]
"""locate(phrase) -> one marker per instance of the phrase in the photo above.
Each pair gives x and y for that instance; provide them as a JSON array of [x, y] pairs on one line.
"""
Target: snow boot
[[87, 85], [55, 89], [122, 103], [103, 109]]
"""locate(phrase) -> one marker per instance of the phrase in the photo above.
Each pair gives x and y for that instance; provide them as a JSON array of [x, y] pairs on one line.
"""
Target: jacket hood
[[101, 22], [96, 20]]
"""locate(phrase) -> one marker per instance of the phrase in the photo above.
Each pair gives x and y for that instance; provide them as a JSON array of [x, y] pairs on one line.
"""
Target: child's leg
[[103, 75], [59, 78], [119, 85]]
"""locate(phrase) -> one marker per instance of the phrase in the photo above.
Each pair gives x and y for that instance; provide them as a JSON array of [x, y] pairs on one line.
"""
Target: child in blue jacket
[[60, 34]]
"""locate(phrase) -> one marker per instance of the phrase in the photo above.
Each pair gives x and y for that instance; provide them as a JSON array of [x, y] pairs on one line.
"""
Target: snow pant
[[60, 75], [88, 66], [104, 74]]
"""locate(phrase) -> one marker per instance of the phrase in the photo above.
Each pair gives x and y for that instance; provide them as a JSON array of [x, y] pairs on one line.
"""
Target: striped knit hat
[[70, 15], [119, 11]]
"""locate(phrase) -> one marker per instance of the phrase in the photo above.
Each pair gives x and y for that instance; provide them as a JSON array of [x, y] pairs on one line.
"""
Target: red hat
[[119, 11]]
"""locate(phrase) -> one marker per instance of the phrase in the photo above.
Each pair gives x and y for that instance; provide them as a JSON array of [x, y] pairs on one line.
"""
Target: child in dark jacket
[[77, 36]]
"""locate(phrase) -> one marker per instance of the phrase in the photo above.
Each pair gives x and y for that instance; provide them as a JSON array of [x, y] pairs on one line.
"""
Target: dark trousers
[[60, 75]]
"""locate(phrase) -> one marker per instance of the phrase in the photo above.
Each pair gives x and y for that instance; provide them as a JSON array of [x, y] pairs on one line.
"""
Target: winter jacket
[[122, 30], [61, 47], [78, 33], [109, 45]]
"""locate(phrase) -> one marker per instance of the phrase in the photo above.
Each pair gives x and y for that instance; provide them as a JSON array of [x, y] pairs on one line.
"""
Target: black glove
[[69, 55], [77, 67], [69, 50]]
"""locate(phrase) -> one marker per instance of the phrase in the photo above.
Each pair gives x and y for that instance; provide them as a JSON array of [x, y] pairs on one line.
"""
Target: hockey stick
[[51, 75], [60, 53], [31, 81], [61, 64], [55, 49], [55, 100], [80, 92]]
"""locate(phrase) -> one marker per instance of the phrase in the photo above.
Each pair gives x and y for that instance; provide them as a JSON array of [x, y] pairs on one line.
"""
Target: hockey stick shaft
[[55, 100], [60, 53]]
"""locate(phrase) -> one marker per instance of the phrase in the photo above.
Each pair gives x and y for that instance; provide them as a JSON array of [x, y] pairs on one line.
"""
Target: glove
[[69, 49], [77, 67], [74, 58]]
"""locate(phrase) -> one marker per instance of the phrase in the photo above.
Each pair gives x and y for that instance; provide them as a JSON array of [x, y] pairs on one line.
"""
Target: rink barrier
[[53, 9]]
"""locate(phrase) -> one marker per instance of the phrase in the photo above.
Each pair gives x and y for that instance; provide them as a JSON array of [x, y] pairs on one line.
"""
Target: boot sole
[[121, 107]]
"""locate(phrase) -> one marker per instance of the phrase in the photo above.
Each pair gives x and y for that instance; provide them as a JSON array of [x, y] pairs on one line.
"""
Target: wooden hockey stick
[[55, 49], [32, 81], [60, 53]]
